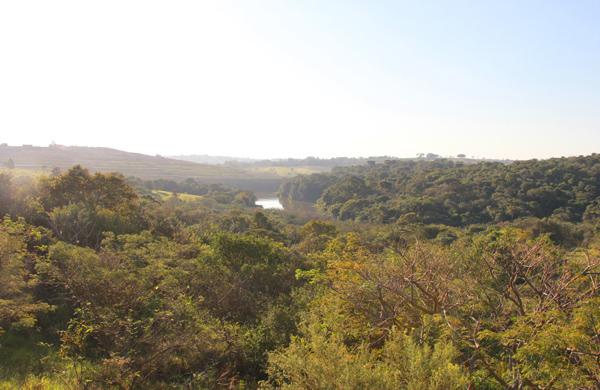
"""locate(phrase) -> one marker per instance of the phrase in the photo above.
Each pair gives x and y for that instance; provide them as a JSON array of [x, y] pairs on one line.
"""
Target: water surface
[[269, 203]]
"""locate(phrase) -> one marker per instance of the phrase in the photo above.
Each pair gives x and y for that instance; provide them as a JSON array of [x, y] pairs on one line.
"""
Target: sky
[[276, 78]]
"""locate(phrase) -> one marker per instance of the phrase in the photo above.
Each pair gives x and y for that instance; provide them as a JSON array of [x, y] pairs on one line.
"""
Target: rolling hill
[[134, 164]]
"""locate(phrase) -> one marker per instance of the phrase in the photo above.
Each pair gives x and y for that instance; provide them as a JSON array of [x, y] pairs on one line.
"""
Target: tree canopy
[[104, 285], [454, 193]]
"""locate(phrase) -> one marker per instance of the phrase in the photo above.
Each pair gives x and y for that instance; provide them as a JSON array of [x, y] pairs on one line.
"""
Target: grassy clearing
[[164, 195]]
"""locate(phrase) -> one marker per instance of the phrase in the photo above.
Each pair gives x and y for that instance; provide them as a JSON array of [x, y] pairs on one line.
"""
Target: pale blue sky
[[501, 79]]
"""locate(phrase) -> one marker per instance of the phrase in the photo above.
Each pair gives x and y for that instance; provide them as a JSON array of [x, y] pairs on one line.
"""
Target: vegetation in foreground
[[103, 285]]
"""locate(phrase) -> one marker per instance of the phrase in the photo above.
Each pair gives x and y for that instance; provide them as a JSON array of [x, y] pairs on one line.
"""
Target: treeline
[[218, 192], [312, 161], [78, 206], [102, 287], [453, 193]]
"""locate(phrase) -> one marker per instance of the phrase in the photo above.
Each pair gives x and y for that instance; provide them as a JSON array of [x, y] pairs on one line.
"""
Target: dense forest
[[420, 275], [454, 193]]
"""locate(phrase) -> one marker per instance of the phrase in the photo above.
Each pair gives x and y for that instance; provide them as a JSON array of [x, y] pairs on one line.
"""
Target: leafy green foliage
[[321, 360], [18, 304], [455, 193], [305, 188], [6, 193], [81, 206], [103, 286]]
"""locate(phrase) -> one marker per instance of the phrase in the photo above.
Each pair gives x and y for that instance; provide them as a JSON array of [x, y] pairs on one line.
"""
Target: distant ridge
[[208, 159], [132, 164], [330, 162]]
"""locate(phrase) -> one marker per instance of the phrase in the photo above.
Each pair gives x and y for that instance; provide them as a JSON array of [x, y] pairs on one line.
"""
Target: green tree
[[321, 360], [18, 305], [81, 206], [6, 194]]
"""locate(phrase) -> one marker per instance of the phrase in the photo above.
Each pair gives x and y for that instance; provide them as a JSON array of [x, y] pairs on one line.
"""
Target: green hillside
[[454, 193]]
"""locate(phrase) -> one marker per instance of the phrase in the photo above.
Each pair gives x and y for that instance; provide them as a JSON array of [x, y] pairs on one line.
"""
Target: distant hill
[[207, 159], [317, 164], [262, 176], [292, 167], [134, 164]]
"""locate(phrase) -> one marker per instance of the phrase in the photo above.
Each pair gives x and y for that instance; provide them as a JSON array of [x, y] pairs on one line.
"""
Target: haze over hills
[[142, 166], [260, 175], [208, 159], [313, 161]]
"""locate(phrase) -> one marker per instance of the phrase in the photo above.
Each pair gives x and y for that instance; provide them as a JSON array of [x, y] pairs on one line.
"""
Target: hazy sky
[[505, 79]]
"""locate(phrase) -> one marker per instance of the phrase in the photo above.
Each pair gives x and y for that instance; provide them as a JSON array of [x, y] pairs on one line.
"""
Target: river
[[269, 203]]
